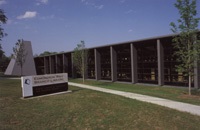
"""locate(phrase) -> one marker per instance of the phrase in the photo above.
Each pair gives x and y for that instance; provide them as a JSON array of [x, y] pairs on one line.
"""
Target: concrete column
[[56, 63], [97, 64], [160, 55], [197, 75], [113, 59], [65, 64], [134, 64], [46, 65], [50, 65], [73, 68], [59, 66]]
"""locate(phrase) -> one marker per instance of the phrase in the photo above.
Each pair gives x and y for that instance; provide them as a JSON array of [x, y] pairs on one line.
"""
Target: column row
[[149, 61], [59, 63]]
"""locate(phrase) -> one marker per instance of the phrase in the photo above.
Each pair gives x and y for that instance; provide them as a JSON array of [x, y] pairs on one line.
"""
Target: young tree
[[20, 54], [80, 59], [187, 43]]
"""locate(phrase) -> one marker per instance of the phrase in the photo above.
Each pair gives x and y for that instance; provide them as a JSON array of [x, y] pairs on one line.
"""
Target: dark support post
[[73, 69], [65, 64], [197, 75], [59, 65], [134, 64], [160, 55], [113, 58], [45, 66], [56, 63], [51, 64], [46, 62], [97, 64]]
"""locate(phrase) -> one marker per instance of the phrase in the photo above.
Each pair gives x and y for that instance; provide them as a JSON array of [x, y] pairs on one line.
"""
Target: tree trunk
[[83, 77], [190, 84], [83, 67], [21, 70]]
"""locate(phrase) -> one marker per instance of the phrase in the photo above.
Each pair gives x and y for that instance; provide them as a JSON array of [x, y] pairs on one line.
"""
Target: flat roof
[[119, 43], [134, 41]]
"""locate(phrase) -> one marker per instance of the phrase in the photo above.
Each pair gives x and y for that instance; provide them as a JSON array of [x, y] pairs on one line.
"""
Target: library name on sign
[[51, 79], [44, 84]]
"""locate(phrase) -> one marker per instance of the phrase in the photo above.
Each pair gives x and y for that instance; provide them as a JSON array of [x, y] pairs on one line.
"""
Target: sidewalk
[[184, 107]]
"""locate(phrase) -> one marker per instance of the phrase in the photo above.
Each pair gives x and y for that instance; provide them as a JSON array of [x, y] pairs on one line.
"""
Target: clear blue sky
[[58, 25]]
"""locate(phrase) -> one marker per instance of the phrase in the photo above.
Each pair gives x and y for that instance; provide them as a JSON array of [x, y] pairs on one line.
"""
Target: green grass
[[172, 93], [85, 109], [2, 75]]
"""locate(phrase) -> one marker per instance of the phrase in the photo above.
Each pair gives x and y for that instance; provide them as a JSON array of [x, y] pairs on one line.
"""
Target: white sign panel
[[49, 79], [27, 89], [28, 82]]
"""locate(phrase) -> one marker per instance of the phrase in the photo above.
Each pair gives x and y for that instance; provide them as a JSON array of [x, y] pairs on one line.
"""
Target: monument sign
[[44, 84]]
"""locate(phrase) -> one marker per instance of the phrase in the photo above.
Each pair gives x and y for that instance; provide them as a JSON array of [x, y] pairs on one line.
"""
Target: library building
[[149, 61]]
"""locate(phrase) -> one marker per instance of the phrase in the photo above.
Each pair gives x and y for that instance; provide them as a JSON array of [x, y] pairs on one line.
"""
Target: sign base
[[49, 89]]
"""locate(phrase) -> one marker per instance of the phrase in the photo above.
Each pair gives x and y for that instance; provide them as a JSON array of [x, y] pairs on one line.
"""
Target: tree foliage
[[46, 53], [3, 20], [20, 54], [4, 60], [80, 59], [1, 52], [187, 42]]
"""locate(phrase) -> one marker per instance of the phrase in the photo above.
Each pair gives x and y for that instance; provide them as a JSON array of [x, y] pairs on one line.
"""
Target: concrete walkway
[[184, 107]]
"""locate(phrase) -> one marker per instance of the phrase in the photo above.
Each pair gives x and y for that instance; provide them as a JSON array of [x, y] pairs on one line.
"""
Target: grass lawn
[[85, 109], [7, 76], [177, 94]]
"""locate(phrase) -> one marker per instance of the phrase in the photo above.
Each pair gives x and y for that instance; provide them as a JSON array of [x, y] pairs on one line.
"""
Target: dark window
[[147, 62], [91, 64], [105, 63], [171, 76], [123, 62]]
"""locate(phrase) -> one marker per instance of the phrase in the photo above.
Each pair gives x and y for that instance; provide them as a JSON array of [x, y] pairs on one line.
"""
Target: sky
[[59, 25]]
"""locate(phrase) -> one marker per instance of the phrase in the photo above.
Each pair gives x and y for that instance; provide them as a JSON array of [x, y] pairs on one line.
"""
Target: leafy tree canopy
[[186, 44], [3, 20], [46, 53]]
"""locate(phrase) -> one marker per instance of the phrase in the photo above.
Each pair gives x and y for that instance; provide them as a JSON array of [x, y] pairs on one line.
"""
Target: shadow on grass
[[104, 83], [77, 90], [2, 75]]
